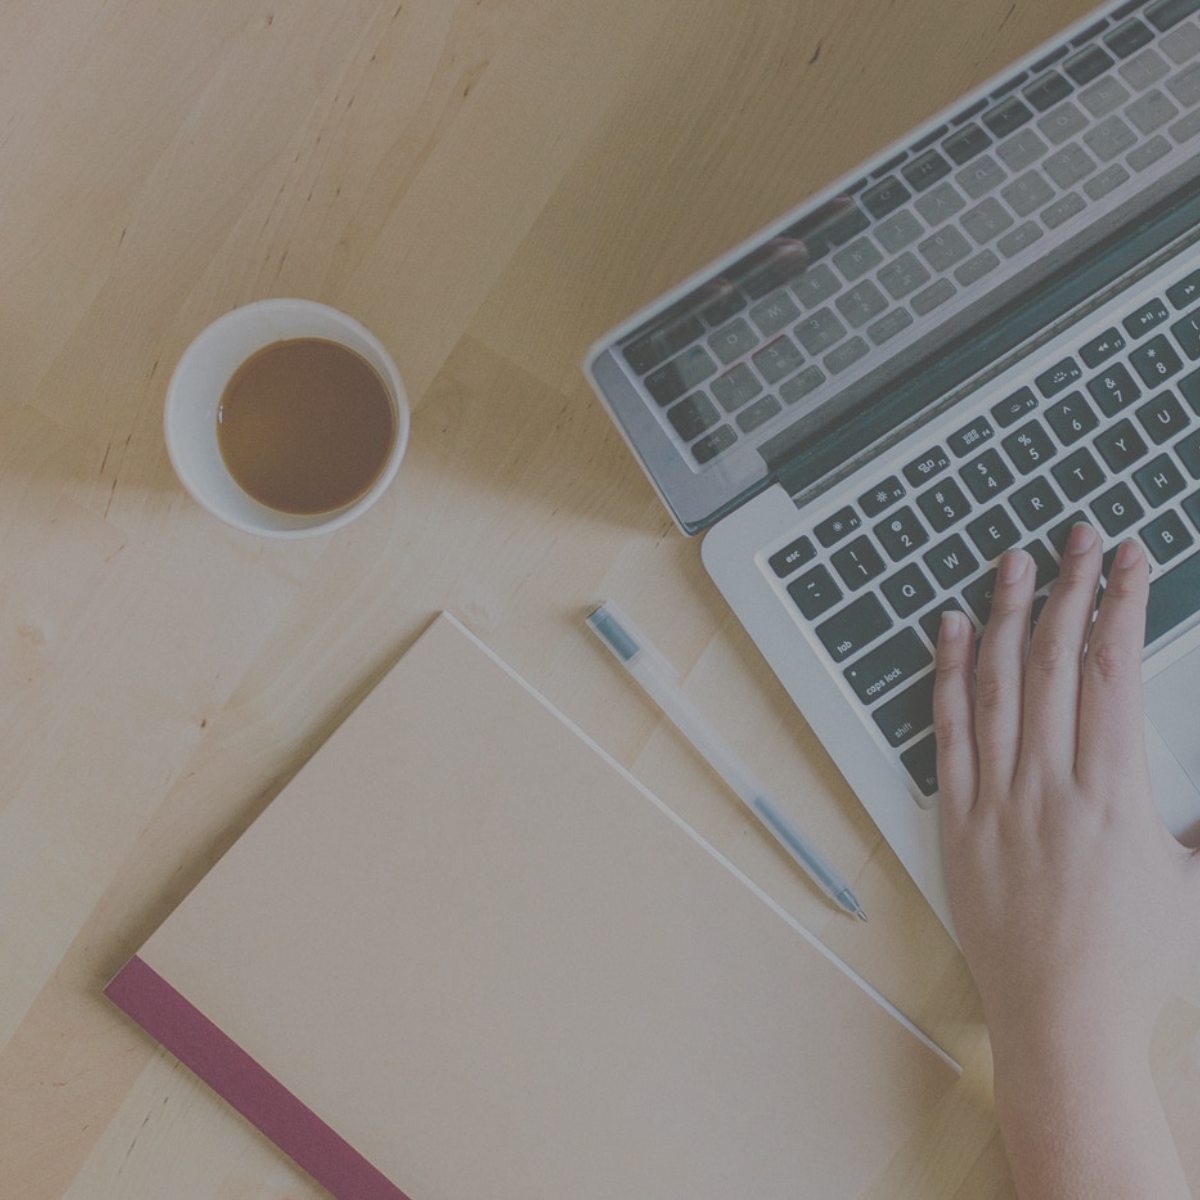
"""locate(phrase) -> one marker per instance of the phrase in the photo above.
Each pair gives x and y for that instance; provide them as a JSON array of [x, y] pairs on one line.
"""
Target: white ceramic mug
[[200, 379]]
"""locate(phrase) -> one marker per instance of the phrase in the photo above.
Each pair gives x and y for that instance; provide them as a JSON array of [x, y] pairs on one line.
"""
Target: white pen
[[661, 683]]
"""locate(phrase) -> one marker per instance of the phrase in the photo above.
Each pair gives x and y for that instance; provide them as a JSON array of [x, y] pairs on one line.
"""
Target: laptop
[[984, 334]]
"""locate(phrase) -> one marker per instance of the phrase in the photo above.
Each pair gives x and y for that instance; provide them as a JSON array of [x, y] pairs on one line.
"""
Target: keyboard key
[[909, 713], [1071, 418], [970, 436], [920, 761], [857, 563], [986, 476], [1114, 389], [861, 303], [1068, 166], [908, 590], [993, 533], [816, 285], [1020, 239], [888, 666], [814, 592], [801, 385], [1166, 537], [976, 268], [736, 388], [1187, 291], [986, 221], [712, 444], [1174, 597], [1059, 377], [1151, 111], [1010, 411], [923, 469], [854, 628], [898, 231], [1007, 117], [883, 496], [661, 342], [1159, 481], [691, 417], [758, 414], [856, 259], [1078, 474], [1155, 361], [1059, 213], [1021, 150], [792, 557], [1189, 453], [1036, 503], [1185, 86], [1107, 181], [933, 296], [951, 562], [1029, 447], [966, 143], [679, 377], [1127, 38], [833, 529], [945, 248], [979, 593], [1102, 348], [1046, 91], [1121, 445], [1162, 418], [887, 327], [923, 172], [774, 314], [734, 340], [885, 197], [1087, 65], [1165, 13], [904, 275], [1028, 193], [1117, 509], [777, 360], [901, 534], [1104, 95], [1045, 564], [846, 355], [820, 331], [1062, 123], [1144, 69], [1145, 318], [943, 505], [1187, 334]]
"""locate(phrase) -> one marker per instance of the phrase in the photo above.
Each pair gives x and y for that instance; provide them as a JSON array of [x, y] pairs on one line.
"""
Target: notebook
[[463, 953], [989, 331]]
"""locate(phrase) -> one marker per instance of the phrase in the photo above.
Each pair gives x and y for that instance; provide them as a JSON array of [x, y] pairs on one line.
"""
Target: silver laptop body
[[985, 333]]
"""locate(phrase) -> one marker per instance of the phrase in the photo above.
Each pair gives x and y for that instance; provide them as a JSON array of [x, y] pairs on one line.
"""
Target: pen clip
[[626, 641]]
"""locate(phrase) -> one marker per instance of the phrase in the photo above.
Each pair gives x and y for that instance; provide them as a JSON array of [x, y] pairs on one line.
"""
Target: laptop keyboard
[[1103, 426], [1005, 182]]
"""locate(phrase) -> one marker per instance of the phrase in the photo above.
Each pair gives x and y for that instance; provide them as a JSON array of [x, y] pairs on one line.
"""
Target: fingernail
[[1013, 565], [952, 621], [1082, 539], [1129, 554]]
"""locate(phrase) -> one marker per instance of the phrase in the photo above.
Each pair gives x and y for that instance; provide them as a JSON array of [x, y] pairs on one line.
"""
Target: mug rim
[[229, 502]]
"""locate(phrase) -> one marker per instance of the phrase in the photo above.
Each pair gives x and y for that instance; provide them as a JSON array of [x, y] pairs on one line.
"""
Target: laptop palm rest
[[1173, 745]]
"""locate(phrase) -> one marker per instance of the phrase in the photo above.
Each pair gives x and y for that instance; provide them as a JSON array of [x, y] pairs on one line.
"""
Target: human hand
[[1075, 908]]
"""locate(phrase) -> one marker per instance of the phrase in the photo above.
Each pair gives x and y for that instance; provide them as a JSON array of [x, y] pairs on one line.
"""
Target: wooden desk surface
[[488, 186]]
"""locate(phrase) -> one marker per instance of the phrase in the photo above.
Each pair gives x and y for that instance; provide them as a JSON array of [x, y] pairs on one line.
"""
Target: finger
[[1053, 668], [952, 714], [1110, 702], [999, 674]]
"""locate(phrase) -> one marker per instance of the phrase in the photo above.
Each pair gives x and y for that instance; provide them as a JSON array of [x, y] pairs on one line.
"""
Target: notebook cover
[[465, 953]]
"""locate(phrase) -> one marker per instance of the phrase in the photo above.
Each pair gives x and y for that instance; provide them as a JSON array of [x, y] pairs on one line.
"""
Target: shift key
[[887, 667]]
